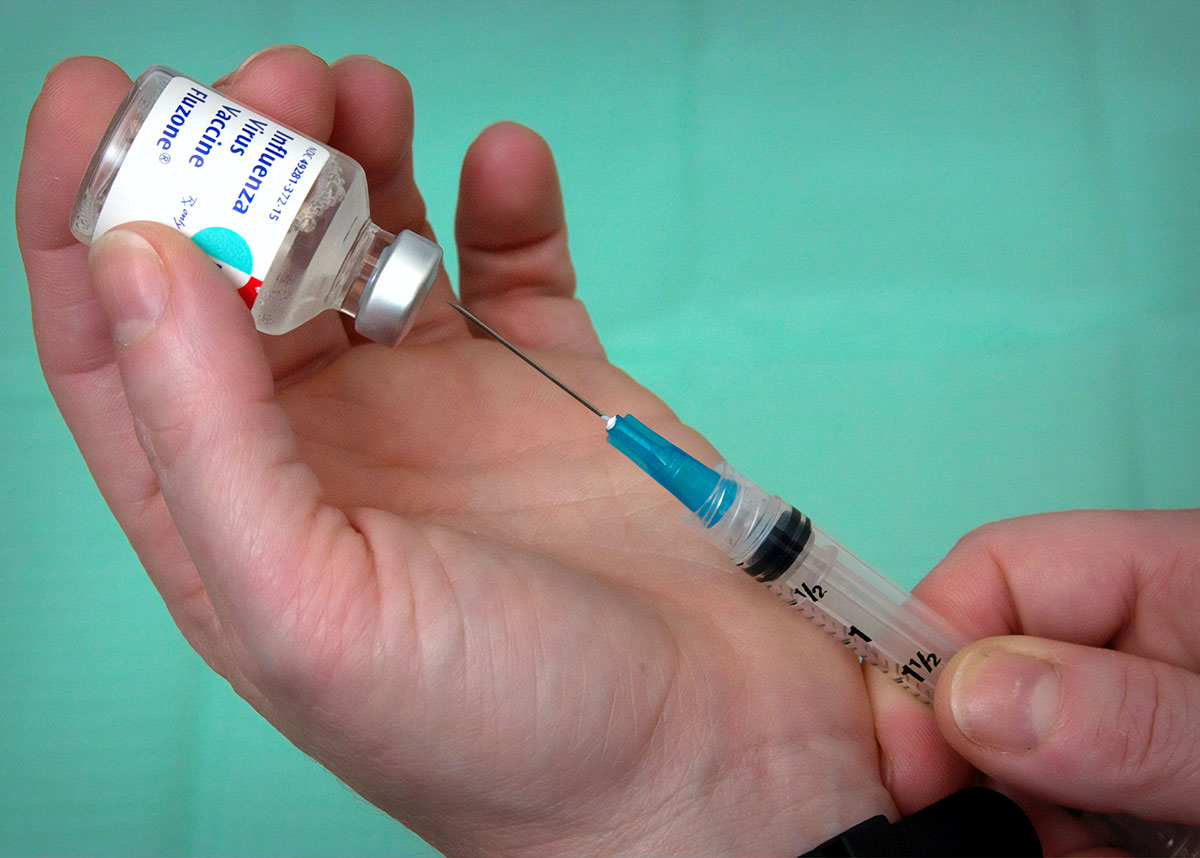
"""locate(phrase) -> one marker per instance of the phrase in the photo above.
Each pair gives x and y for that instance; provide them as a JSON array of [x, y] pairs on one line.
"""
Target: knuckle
[[980, 542], [1139, 710], [1152, 742], [163, 441], [172, 427]]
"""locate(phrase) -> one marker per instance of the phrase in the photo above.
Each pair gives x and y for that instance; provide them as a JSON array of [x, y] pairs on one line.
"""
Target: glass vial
[[287, 219]]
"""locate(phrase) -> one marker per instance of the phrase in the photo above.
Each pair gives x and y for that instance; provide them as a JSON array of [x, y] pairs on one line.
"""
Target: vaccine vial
[[286, 219]]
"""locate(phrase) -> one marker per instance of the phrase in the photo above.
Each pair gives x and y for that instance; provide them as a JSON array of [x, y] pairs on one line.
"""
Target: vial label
[[231, 179]]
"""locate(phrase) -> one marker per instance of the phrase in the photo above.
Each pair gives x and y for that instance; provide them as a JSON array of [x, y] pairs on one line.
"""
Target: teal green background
[[913, 266]]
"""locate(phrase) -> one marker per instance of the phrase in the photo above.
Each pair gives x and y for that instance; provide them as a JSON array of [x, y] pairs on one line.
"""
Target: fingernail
[[1004, 700], [244, 64], [354, 58], [131, 284]]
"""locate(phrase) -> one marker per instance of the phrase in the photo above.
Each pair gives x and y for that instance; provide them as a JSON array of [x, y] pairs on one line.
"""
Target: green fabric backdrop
[[912, 266]]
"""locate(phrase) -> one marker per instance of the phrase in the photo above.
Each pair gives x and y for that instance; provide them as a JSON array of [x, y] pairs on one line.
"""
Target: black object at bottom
[[972, 822]]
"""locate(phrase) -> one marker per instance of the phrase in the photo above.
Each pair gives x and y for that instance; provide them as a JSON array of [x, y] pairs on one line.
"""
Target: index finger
[[373, 124], [76, 102], [73, 339], [1096, 578], [1089, 578]]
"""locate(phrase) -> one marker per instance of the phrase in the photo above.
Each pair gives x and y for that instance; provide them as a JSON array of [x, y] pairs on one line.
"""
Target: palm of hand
[[569, 647], [423, 566]]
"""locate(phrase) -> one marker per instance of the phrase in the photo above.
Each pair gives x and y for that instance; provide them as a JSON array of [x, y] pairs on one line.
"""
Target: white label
[[229, 178]]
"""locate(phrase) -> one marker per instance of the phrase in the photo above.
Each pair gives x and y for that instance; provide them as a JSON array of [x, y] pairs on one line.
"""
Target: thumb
[[202, 398], [1092, 729]]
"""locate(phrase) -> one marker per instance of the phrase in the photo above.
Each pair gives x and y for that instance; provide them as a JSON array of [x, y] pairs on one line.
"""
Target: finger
[[1092, 578], [289, 84], [373, 124], [70, 114], [295, 87], [74, 344], [202, 395], [1089, 728], [514, 267], [917, 765]]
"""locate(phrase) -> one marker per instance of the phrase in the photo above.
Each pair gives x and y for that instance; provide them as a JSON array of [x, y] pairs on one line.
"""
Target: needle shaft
[[530, 361]]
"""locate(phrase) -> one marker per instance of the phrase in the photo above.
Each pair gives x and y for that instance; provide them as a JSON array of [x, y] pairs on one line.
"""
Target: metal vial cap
[[397, 288]]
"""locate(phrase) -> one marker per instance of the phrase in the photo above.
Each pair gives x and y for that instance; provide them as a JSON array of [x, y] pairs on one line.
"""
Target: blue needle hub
[[693, 484]]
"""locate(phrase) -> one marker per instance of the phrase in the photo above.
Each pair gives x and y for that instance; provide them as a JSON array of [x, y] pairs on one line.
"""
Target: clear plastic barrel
[[866, 612]]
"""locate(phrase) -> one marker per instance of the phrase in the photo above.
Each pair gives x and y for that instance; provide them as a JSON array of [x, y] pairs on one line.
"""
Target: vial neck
[[361, 264]]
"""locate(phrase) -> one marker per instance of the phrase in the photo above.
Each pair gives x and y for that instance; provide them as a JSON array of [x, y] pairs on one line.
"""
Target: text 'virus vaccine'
[[287, 219]]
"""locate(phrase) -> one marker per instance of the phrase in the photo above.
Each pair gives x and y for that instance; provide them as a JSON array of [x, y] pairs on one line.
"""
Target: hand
[[423, 565], [1085, 692]]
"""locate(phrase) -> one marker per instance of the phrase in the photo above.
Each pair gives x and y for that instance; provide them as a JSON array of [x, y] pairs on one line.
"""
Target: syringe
[[776, 544]]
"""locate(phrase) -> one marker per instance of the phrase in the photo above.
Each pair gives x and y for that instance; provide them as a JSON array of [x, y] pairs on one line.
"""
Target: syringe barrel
[[885, 625], [776, 544]]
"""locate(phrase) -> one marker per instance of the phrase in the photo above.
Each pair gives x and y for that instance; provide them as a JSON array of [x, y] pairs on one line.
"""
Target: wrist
[[772, 802]]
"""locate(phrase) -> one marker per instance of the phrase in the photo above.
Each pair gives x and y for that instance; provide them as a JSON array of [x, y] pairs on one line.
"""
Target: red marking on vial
[[249, 292]]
